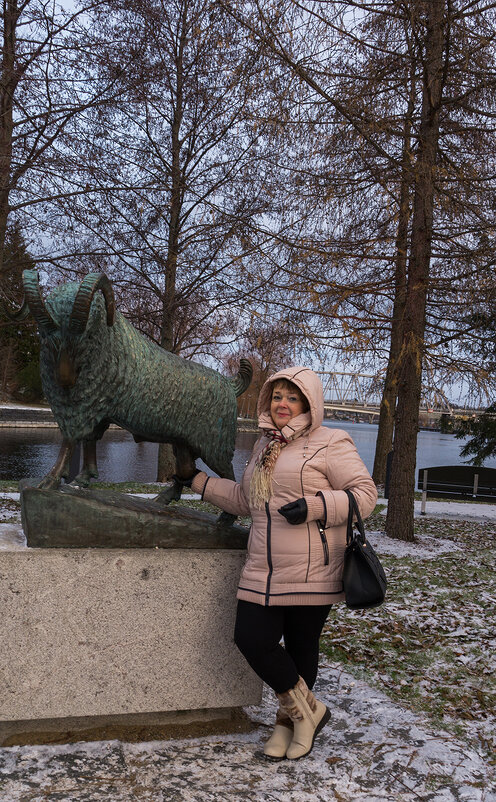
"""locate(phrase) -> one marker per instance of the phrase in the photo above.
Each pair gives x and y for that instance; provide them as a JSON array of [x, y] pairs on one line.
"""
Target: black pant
[[257, 634]]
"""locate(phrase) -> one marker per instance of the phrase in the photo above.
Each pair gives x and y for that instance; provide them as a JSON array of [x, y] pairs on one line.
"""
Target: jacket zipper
[[320, 527], [269, 554], [324, 543]]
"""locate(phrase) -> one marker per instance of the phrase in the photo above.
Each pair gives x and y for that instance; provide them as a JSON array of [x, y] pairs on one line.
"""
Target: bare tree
[[174, 179], [401, 87], [43, 89]]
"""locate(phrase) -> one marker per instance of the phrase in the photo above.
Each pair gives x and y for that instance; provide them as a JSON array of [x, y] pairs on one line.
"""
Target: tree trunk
[[6, 360], [385, 431], [166, 465], [384, 441], [166, 461], [8, 83], [400, 519]]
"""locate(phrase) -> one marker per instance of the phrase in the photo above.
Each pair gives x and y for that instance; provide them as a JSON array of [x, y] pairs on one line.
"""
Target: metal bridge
[[360, 394]]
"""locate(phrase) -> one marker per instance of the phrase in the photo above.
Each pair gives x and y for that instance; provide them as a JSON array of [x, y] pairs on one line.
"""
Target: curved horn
[[243, 379], [33, 299], [82, 303]]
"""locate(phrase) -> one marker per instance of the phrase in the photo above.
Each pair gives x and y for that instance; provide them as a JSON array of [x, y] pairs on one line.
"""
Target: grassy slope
[[432, 645]]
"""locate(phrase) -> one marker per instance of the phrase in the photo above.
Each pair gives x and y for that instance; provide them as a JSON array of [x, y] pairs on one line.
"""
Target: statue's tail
[[241, 382]]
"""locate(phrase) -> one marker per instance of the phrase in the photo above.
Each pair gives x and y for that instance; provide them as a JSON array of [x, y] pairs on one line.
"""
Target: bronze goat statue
[[96, 369]]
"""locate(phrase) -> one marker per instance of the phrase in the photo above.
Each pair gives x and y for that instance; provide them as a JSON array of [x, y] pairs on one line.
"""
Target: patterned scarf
[[261, 480]]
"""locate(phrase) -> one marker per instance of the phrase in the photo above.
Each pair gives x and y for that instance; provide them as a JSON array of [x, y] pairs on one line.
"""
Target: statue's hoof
[[49, 483], [172, 493], [79, 483], [83, 480]]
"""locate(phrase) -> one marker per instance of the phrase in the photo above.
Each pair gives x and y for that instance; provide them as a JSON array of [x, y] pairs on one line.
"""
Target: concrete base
[[117, 632], [134, 728]]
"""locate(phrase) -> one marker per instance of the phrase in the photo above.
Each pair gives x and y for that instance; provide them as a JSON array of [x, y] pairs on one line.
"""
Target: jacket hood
[[307, 382]]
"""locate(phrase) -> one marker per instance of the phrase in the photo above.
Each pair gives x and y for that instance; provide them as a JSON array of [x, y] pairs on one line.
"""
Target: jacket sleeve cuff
[[199, 482], [316, 508]]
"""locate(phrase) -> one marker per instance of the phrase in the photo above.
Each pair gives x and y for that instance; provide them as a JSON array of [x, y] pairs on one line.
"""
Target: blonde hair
[[261, 480]]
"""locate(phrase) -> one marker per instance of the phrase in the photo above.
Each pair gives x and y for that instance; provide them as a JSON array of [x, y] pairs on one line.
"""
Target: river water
[[27, 452]]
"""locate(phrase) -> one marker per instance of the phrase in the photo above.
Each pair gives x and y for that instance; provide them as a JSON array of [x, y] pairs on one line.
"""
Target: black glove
[[295, 512], [185, 482]]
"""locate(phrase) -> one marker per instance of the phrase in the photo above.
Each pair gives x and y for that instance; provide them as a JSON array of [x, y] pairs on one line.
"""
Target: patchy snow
[[24, 406], [12, 537], [425, 546], [15, 496], [371, 751], [452, 509]]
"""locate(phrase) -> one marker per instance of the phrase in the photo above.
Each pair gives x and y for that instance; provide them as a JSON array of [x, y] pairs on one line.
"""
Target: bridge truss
[[363, 391], [351, 389]]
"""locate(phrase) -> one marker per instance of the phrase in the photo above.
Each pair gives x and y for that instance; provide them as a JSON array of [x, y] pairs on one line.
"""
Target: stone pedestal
[[101, 634]]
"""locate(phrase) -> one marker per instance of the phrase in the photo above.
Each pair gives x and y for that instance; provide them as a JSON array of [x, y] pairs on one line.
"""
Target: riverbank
[[410, 685], [21, 416], [15, 416]]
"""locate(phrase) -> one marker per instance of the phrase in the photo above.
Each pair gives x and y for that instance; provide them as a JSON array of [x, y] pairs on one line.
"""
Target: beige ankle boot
[[276, 746], [308, 716]]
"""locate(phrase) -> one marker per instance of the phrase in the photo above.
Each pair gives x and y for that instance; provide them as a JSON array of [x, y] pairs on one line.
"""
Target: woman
[[293, 489]]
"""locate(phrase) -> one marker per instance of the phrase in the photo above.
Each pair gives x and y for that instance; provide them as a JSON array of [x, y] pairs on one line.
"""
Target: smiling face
[[287, 402]]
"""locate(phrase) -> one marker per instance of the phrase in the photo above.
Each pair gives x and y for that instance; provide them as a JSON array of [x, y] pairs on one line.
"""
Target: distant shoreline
[[20, 416]]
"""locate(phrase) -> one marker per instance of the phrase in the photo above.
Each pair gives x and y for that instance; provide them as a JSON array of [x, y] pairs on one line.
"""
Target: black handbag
[[364, 579]]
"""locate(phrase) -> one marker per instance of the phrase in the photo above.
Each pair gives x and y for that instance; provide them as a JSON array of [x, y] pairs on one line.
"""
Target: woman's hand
[[185, 482], [295, 512], [308, 508]]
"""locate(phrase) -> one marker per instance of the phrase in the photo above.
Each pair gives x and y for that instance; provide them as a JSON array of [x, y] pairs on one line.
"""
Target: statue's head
[[63, 321]]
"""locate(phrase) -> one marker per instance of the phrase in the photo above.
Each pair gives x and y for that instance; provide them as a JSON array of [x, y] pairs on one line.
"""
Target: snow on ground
[[425, 547], [453, 509], [12, 538], [372, 750], [11, 405]]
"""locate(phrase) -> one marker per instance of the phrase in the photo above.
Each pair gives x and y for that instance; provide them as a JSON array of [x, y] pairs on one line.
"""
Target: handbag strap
[[352, 534]]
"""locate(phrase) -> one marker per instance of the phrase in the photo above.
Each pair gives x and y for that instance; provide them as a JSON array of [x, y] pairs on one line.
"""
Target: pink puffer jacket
[[289, 564]]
